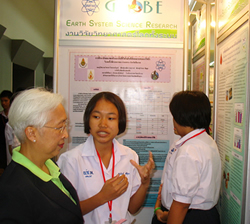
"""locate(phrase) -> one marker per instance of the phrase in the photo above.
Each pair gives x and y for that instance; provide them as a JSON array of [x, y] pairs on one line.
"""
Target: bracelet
[[156, 209]]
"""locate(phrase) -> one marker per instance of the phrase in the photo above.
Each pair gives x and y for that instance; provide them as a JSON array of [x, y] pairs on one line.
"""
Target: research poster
[[145, 80], [228, 12], [231, 122], [110, 45], [199, 31], [94, 19], [199, 73]]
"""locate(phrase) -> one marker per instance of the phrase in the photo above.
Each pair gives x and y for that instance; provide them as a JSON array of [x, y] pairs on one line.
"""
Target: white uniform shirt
[[192, 172], [82, 167], [10, 139]]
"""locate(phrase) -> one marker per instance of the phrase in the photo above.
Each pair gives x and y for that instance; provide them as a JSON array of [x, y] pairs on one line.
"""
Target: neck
[[32, 154], [6, 112], [187, 130], [105, 152]]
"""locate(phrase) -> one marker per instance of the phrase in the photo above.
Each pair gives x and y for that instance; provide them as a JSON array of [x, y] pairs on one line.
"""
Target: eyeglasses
[[59, 129]]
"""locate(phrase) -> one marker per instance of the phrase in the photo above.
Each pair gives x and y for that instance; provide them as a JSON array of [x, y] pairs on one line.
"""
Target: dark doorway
[[49, 82], [23, 78]]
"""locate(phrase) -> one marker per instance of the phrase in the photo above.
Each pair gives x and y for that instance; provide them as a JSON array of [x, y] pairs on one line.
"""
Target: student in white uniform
[[192, 173], [109, 182]]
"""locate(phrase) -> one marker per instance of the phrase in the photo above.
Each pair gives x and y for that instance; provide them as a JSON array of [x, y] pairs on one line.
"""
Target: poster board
[[145, 71], [231, 123], [228, 12], [199, 74], [199, 32]]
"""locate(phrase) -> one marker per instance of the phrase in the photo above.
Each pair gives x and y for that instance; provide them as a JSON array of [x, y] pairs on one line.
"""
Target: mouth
[[102, 133], [61, 145]]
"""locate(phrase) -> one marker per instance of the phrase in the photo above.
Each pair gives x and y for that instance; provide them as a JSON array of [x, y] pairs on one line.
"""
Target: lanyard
[[192, 137], [104, 179]]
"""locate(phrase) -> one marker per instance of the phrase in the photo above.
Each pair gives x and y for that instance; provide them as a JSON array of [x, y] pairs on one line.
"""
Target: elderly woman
[[32, 190]]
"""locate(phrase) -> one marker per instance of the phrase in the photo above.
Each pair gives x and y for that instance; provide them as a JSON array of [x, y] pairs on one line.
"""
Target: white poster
[[145, 80]]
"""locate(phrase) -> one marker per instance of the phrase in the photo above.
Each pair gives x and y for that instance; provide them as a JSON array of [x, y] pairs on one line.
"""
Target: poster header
[[81, 19]]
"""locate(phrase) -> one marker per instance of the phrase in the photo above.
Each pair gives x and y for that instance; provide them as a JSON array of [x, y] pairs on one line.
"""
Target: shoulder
[[125, 150], [199, 148], [72, 153], [16, 177]]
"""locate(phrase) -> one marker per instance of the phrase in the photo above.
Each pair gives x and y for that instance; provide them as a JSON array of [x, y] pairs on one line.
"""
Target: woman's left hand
[[146, 170]]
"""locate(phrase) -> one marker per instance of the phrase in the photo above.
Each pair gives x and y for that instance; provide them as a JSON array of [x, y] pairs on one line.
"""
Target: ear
[[30, 133]]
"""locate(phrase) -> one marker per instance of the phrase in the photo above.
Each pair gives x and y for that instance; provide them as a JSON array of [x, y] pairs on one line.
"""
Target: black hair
[[6, 93], [191, 109], [113, 98]]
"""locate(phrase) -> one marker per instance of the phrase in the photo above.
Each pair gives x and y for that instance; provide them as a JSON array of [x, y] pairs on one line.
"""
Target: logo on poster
[[133, 6], [160, 65], [90, 6], [154, 75], [83, 62], [90, 75]]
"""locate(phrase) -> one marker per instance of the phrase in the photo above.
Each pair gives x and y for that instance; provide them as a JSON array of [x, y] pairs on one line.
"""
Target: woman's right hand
[[114, 187]]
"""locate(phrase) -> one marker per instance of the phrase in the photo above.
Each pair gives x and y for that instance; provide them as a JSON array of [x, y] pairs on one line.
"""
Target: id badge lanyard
[[193, 137], [104, 179]]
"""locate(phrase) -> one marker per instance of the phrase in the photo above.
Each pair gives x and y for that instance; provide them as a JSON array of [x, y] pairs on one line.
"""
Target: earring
[[34, 140]]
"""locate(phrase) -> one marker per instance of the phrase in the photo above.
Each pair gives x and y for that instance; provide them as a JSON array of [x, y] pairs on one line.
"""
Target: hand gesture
[[162, 216], [159, 193], [146, 170], [114, 187]]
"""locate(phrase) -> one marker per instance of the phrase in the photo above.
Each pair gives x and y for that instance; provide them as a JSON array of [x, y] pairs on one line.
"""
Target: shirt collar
[[187, 136], [24, 161], [89, 148]]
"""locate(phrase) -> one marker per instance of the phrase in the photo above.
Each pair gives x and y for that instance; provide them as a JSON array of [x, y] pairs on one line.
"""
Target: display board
[[199, 74], [231, 123], [199, 31], [228, 12], [133, 49]]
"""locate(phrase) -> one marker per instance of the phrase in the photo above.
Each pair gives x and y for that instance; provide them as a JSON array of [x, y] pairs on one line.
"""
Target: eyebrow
[[97, 111]]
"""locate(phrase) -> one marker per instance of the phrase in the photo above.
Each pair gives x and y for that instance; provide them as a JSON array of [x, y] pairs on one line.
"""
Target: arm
[[138, 198], [177, 212], [112, 189], [161, 215]]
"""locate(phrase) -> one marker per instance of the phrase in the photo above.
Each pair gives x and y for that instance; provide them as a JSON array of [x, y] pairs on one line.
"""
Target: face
[[181, 130], [50, 140], [104, 122], [176, 127], [5, 102]]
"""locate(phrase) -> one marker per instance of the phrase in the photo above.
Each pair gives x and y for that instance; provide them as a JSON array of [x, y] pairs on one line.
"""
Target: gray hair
[[31, 108]]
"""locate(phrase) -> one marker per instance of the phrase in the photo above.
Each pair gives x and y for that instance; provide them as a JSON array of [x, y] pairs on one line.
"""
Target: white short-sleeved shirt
[[192, 172], [81, 166], [10, 139]]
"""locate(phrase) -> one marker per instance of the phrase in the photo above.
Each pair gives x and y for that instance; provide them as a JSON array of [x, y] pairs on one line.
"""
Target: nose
[[65, 133], [103, 123]]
